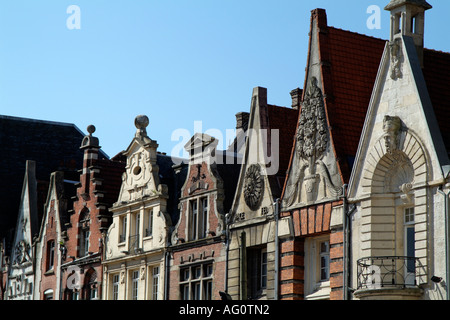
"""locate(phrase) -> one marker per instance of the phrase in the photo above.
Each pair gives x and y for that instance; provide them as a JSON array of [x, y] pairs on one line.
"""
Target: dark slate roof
[[54, 146]]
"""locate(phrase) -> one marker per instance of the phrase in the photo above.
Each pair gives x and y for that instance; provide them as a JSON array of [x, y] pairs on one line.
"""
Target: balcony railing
[[388, 272]]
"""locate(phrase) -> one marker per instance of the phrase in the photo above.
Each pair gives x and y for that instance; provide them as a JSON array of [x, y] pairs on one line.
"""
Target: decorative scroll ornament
[[253, 186]]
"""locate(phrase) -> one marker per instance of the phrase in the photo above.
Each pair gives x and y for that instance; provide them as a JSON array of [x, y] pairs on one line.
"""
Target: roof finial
[[90, 141], [141, 122]]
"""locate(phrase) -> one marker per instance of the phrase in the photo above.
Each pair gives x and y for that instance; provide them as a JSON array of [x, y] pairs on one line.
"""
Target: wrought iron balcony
[[388, 272]]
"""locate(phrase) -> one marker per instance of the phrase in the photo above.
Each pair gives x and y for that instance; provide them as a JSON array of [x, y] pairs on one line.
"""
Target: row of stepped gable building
[[348, 198]]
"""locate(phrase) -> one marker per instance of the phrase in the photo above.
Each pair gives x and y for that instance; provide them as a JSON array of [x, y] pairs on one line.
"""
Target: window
[[409, 245], [93, 294], [204, 217], [85, 243], [50, 254], [198, 218], [75, 295], [194, 214], [317, 268], [123, 229], [115, 289], [324, 261], [256, 272], [135, 285], [155, 283], [149, 223], [196, 282]]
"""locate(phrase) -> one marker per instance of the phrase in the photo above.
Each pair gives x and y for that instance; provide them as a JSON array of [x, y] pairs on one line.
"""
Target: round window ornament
[[253, 186]]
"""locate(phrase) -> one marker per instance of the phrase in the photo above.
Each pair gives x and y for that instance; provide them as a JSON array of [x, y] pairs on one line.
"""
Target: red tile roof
[[349, 66], [348, 78]]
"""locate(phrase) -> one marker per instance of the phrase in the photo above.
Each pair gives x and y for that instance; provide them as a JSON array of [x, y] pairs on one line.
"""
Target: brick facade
[[98, 188]]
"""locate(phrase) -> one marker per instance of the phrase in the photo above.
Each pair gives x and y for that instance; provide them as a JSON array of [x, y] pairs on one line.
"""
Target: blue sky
[[176, 61]]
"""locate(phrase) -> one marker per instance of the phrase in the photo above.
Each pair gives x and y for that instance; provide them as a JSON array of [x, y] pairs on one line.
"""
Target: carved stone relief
[[400, 171], [253, 186], [309, 169], [22, 253], [396, 59]]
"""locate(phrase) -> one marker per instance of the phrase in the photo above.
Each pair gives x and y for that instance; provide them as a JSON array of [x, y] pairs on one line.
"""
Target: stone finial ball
[[91, 129], [141, 122]]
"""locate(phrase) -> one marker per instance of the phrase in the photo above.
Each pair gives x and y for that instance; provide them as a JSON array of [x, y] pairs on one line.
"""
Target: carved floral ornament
[[253, 186]]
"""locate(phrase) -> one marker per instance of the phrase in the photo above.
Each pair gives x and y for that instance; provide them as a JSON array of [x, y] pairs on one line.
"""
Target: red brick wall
[[219, 267], [292, 269], [48, 278], [309, 222]]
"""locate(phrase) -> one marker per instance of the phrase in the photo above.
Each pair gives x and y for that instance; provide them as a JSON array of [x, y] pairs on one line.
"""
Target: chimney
[[242, 120], [296, 96]]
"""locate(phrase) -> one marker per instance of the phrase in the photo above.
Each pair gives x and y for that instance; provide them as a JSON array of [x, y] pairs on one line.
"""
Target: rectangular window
[[410, 243], [50, 254], [135, 285], [123, 229], [194, 219], [93, 294], [149, 223], [256, 272], [85, 244], [115, 293], [155, 283], [409, 215], [264, 269], [204, 218], [196, 282], [198, 218], [324, 261]]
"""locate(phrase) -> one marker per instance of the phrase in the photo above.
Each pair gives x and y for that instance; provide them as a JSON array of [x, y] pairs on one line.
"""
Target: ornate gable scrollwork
[[253, 186], [140, 178], [308, 169]]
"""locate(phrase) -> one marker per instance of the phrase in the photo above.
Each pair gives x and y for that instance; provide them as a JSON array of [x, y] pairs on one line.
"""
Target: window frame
[[196, 281]]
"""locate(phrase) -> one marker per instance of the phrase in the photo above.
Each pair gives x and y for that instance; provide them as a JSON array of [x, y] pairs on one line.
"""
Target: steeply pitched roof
[[351, 62], [53, 145], [285, 121]]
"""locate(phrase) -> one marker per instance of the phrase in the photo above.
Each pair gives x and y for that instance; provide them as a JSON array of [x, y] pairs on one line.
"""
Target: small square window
[[409, 215]]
